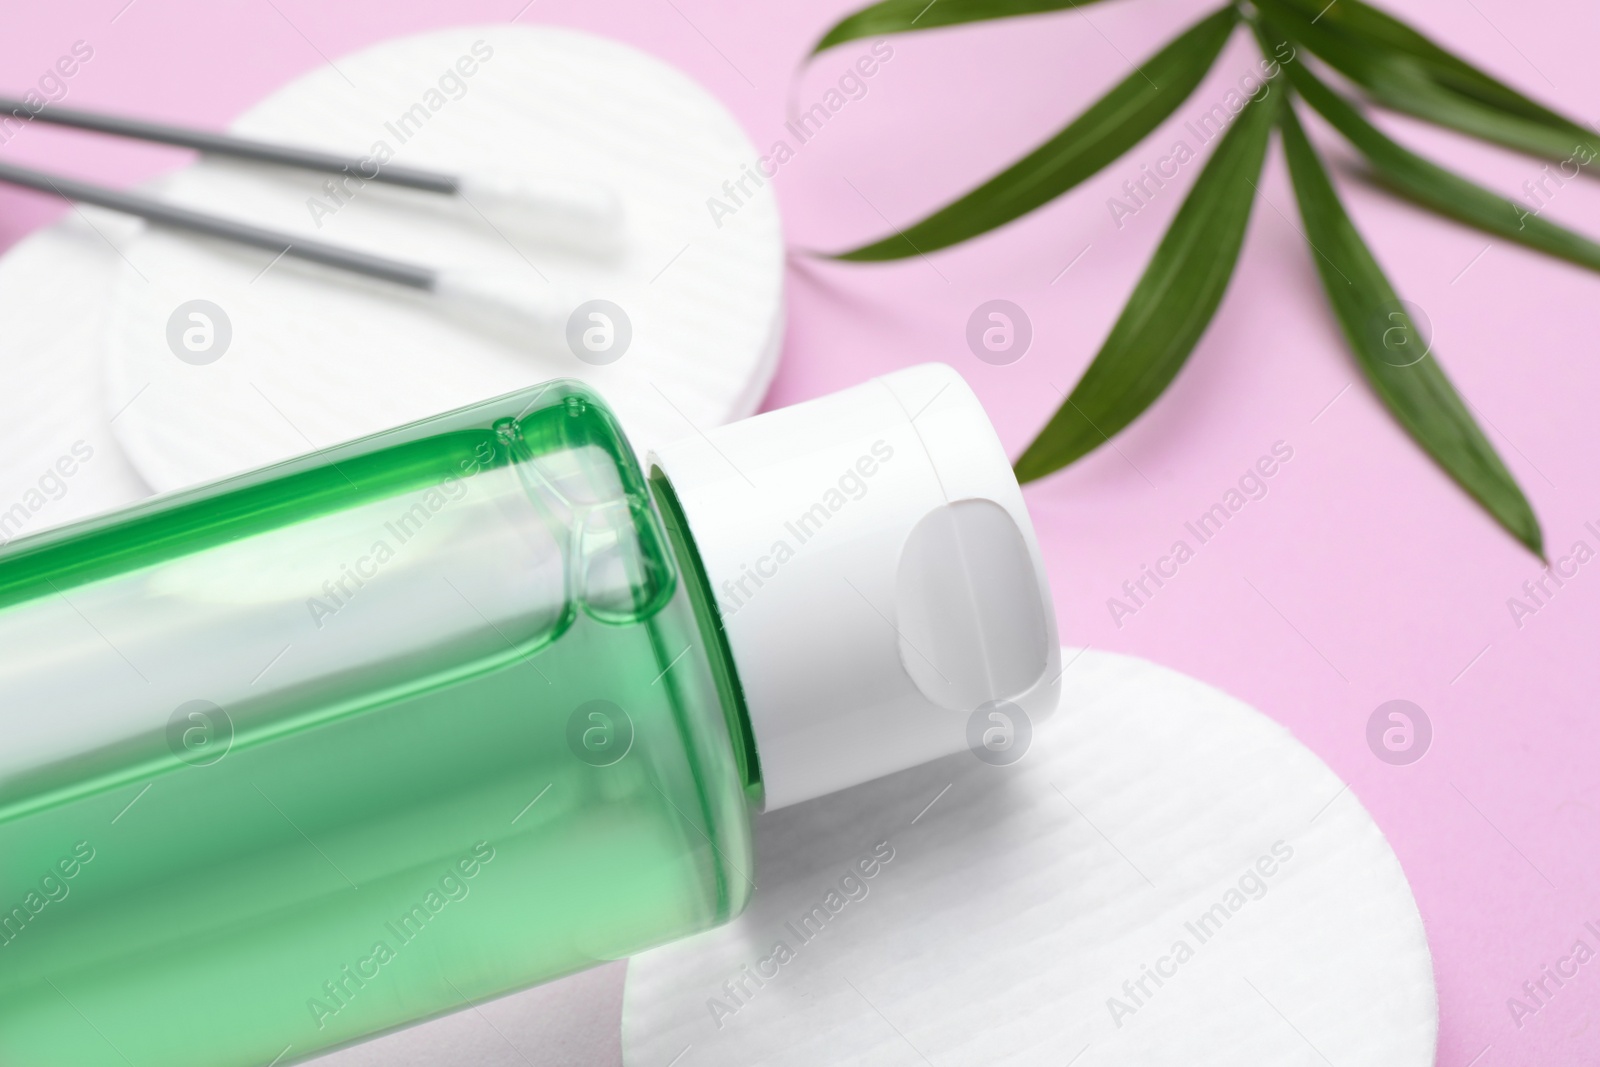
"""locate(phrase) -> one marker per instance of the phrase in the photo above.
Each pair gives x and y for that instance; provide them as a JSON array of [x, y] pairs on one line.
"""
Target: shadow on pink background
[[1364, 574]]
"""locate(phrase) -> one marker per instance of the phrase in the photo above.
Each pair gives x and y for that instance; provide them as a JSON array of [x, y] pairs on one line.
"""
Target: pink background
[[1362, 577]]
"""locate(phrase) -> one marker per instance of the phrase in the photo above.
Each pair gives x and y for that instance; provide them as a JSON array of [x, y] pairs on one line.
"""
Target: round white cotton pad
[[60, 460], [314, 356], [1166, 877]]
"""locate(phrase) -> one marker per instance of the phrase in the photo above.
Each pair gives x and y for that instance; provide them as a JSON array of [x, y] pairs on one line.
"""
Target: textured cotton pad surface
[[60, 460], [316, 356], [1165, 877]]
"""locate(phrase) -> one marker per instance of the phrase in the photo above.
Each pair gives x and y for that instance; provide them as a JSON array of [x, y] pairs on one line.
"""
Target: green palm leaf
[[1172, 304], [903, 16], [1112, 125], [1416, 392], [1362, 22], [1404, 70], [1438, 189], [1406, 87]]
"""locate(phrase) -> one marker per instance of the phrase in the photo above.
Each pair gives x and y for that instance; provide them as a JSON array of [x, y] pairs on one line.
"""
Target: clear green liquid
[[377, 847]]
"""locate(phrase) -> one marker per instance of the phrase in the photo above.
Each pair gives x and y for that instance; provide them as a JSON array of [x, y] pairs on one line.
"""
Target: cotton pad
[[1165, 877], [61, 462], [288, 357]]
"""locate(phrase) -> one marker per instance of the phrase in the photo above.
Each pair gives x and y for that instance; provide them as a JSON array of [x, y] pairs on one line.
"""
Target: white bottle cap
[[878, 577]]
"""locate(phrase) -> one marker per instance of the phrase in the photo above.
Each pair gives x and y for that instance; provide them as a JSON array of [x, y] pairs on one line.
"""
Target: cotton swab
[[582, 215], [480, 296]]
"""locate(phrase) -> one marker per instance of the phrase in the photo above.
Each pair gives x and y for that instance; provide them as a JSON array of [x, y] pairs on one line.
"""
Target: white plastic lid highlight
[[877, 574]]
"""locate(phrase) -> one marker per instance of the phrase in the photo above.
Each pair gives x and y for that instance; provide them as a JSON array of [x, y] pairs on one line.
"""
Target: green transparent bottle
[[321, 750]]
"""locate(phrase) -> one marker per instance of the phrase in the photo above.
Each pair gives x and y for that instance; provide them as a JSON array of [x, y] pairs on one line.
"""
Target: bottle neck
[[697, 585]]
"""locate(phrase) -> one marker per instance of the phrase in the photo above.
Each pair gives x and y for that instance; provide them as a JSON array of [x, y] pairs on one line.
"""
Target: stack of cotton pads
[[313, 357]]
